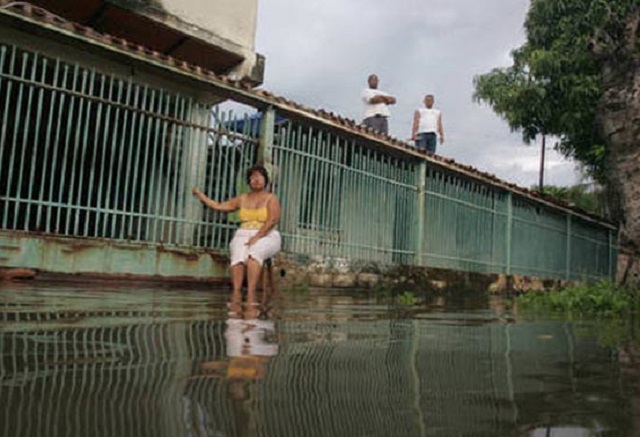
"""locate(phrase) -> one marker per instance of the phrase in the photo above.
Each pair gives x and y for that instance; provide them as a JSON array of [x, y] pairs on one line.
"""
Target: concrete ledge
[[16, 274], [104, 258], [318, 271]]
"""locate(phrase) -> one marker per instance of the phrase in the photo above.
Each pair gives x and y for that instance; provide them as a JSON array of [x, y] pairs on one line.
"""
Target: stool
[[266, 275]]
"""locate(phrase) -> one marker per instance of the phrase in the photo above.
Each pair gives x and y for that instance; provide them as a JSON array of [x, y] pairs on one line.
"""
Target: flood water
[[105, 360]]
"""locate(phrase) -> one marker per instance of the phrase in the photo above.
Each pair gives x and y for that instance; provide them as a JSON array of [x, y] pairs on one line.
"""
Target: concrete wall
[[302, 271], [233, 20], [229, 25]]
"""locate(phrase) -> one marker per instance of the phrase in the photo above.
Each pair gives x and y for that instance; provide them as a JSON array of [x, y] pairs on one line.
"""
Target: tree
[[582, 58], [552, 87], [520, 98], [585, 196]]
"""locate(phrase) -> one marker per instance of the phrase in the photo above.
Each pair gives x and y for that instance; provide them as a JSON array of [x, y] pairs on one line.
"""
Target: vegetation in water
[[602, 299], [601, 310], [408, 298]]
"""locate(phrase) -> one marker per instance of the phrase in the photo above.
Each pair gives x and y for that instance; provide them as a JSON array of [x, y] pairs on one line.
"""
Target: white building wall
[[232, 20]]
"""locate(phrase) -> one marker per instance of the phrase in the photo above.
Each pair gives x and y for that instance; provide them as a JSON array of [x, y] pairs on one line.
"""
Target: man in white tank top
[[427, 126]]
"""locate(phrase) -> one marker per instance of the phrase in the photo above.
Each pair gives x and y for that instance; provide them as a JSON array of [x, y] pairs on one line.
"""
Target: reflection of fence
[[87, 154], [122, 380], [131, 375]]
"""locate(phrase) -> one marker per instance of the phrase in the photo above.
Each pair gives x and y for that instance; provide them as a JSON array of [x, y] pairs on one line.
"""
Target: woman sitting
[[257, 239]]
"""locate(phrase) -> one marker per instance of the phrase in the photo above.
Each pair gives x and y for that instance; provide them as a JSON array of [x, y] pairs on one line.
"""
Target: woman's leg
[[237, 276], [262, 250], [238, 254], [253, 276]]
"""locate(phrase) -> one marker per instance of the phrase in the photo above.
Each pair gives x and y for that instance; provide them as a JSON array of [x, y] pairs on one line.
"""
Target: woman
[[256, 240]]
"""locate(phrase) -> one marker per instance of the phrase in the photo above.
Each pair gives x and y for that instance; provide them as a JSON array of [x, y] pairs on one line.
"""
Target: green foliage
[[579, 196], [555, 83], [598, 311], [602, 299], [408, 298]]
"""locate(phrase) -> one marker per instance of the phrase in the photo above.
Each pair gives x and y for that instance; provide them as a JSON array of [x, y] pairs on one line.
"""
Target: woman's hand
[[199, 194], [251, 241]]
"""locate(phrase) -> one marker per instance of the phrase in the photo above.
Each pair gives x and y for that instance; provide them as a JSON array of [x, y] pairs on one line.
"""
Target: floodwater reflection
[[111, 361], [250, 341]]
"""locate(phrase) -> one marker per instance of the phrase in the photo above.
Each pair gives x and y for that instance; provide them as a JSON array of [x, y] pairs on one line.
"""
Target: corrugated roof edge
[[244, 93]]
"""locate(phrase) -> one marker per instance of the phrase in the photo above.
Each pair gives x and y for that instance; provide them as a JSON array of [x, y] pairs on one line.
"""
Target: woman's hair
[[260, 169]]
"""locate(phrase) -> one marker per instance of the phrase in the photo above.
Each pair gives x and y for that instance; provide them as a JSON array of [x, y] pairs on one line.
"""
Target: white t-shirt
[[428, 120], [371, 109]]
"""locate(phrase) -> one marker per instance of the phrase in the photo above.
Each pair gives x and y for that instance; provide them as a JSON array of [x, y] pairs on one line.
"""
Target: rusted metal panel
[[104, 258]]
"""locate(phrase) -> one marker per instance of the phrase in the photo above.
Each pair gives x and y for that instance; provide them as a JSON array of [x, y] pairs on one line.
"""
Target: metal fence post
[[568, 254], [421, 213], [265, 147], [612, 262], [193, 168], [509, 231]]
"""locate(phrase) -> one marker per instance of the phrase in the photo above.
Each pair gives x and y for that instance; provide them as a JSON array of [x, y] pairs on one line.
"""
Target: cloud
[[319, 53]]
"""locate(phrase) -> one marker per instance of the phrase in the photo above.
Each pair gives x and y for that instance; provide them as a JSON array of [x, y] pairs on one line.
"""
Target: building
[[217, 35], [107, 124]]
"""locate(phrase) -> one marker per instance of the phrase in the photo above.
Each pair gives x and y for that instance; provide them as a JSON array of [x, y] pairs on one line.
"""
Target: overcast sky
[[320, 52]]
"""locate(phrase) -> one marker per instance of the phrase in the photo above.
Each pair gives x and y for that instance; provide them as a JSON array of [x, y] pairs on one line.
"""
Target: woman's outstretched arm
[[227, 206]]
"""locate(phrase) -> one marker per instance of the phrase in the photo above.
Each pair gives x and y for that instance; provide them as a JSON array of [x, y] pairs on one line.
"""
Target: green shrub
[[602, 299], [408, 298]]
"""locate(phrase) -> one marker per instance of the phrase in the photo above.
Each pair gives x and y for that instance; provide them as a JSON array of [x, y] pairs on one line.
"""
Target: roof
[[242, 92], [147, 23]]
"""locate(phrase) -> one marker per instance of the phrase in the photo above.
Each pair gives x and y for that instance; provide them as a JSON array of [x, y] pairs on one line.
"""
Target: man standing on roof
[[427, 126], [376, 106]]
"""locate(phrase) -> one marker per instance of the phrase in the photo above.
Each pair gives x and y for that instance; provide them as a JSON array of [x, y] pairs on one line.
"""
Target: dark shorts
[[427, 141], [378, 123]]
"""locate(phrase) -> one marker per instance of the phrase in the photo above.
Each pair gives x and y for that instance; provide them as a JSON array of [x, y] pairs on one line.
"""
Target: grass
[[602, 299], [408, 298], [610, 311]]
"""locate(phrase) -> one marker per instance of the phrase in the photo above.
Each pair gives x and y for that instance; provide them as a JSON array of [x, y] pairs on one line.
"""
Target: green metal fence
[[84, 154], [466, 223], [88, 154], [344, 198]]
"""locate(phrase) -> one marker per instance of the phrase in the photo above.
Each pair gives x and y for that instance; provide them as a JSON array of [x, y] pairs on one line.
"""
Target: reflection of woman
[[256, 240], [250, 337], [250, 344]]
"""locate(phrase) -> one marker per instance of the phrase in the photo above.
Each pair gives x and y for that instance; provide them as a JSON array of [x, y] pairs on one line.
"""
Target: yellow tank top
[[253, 218]]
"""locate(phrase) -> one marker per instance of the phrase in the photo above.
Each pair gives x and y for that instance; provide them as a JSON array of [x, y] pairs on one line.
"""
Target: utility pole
[[542, 149]]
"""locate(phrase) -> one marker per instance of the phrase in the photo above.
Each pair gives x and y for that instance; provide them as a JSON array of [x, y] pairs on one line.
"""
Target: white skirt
[[250, 337], [261, 250]]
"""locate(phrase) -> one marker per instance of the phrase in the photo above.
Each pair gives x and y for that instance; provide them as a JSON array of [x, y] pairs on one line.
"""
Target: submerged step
[[6, 247]]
